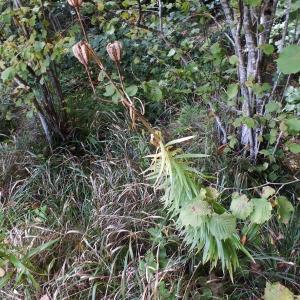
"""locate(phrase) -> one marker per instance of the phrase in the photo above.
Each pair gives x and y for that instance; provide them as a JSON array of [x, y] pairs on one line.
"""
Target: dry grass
[[98, 211], [89, 226]]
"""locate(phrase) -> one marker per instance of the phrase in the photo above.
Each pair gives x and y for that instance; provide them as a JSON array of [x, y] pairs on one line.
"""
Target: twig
[[285, 26], [126, 99], [160, 15], [219, 124], [90, 78], [159, 33], [225, 106], [139, 20], [220, 27], [263, 185], [81, 23], [277, 142]]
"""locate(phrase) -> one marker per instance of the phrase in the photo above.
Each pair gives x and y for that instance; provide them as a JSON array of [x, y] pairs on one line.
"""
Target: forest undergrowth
[[149, 149]]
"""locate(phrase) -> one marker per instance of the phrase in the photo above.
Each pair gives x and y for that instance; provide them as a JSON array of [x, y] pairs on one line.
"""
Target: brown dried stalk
[[125, 100]]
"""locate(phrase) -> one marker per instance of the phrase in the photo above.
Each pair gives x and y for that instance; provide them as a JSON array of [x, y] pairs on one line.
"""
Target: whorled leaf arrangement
[[204, 223]]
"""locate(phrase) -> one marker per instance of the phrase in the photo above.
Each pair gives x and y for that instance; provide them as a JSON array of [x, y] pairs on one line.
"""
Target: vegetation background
[[149, 149]]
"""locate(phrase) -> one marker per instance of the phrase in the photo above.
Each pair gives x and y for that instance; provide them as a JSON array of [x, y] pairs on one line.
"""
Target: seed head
[[114, 51], [81, 51], [75, 3]]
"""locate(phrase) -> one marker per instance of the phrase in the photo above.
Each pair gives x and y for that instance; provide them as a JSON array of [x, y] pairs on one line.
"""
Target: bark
[[45, 128], [219, 124], [44, 102], [235, 22], [40, 110], [285, 26], [244, 23], [266, 19]]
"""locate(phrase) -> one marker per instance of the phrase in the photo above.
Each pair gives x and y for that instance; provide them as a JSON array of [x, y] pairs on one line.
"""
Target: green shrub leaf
[[289, 60], [132, 90], [267, 49], [272, 106], [233, 60], [109, 90], [171, 52], [293, 125], [253, 3], [267, 192], [193, 213], [232, 91], [262, 210], [241, 207], [8, 74], [294, 148], [277, 291], [285, 209], [153, 90]]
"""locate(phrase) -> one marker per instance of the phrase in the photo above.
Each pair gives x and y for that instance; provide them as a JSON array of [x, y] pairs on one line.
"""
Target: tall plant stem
[[125, 98], [90, 78], [126, 101], [81, 24]]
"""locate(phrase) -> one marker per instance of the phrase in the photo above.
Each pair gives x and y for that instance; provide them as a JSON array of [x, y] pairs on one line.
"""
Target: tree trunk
[[244, 23]]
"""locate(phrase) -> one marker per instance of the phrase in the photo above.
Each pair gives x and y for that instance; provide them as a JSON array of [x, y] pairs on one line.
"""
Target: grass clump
[[84, 223]]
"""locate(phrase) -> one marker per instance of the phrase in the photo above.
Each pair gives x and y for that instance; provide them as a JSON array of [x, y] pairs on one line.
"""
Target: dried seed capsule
[[75, 3], [81, 52], [114, 51]]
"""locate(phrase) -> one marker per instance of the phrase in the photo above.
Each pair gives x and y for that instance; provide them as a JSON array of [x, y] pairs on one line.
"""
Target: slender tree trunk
[[45, 128], [244, 22]]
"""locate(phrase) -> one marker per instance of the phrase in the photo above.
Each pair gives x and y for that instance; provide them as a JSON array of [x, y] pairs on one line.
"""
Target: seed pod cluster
[[114, 51], [81, 51], [75, 3]]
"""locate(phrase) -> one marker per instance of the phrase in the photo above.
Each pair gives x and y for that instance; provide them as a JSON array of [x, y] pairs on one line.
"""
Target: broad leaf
[[241, 207], [132, 90], [277, 291], [109, 90], [289, 60], [273, 106], [194, 213], [285, 209], [216, 49], [294, 148], [267, 49], [232, 91], [222, 226], [261, 210], [267, 192], [8, 74], [233, 60], [156, 93], [293, 125], [152, 89]]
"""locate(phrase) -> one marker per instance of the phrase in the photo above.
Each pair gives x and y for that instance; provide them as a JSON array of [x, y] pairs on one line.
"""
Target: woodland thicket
[[150, 149]]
